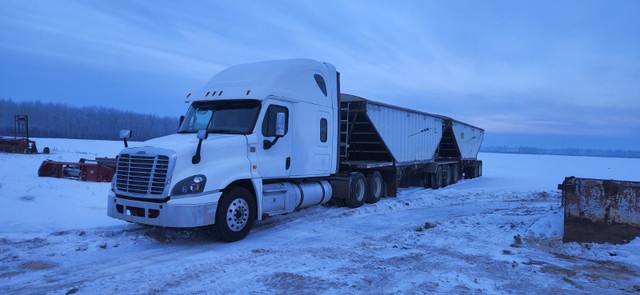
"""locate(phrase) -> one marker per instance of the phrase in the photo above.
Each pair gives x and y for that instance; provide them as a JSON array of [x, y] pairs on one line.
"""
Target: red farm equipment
[[98, 170], [20, 142]]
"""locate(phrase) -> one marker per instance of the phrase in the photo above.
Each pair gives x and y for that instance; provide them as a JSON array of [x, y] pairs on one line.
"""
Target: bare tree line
[[616, 153], [63, 121]]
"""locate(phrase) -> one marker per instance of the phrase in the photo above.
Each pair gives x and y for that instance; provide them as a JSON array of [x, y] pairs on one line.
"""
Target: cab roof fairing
[[292, 78]]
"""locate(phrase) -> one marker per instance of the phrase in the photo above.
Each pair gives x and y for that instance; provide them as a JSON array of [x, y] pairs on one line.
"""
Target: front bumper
[[185, 212]]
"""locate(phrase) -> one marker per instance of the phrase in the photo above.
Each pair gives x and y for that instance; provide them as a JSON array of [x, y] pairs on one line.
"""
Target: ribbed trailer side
[[411, 137], [469, 139]]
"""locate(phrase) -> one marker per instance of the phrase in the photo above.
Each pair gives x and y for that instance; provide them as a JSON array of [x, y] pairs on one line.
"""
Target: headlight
[[189, 185]]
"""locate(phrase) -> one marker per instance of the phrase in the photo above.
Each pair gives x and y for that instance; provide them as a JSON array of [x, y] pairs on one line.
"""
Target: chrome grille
[[142, 174]]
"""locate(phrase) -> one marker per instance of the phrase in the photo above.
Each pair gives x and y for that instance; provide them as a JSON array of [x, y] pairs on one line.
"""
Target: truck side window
[[323, 130], [269, 123], [321, 83]]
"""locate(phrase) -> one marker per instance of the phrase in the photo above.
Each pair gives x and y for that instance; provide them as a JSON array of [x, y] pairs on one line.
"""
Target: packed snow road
[[497, 234]]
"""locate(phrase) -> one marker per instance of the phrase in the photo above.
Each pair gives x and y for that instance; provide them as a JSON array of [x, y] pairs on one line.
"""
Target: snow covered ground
[[500, 233]]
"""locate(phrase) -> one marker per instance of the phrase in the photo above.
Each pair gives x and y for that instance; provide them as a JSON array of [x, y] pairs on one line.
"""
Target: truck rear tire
[[235, 215], [357, 190], [437, 178], [375, 187]]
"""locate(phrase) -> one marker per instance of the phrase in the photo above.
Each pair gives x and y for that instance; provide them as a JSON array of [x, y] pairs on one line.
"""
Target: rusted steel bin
[[598, 210]]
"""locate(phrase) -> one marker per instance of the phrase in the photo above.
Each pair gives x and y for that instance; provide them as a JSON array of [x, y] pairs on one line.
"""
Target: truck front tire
[[235, 215]]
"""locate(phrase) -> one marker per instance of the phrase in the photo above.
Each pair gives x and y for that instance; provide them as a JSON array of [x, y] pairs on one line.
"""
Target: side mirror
[[181, 120], [280, 123], [124, 135]]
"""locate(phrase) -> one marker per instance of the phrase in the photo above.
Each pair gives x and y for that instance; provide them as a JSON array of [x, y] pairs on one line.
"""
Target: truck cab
[[257, 140]]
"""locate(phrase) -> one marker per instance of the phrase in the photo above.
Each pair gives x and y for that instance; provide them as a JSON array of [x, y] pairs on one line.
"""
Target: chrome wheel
[[237, 214], [360, 189], [377, 187]]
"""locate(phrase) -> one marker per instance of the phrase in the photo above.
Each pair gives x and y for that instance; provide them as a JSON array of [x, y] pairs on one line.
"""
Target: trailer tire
[[375, 187], [357, 190], [436, 178], [469, 172], [446, 176], [455, 174], [235, 215], [426, 180]]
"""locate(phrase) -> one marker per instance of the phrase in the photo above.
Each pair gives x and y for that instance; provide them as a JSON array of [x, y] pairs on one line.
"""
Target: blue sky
[[537, 73]]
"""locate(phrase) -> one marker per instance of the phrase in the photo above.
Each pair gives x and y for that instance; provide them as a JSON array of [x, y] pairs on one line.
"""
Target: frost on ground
[[501, 233]]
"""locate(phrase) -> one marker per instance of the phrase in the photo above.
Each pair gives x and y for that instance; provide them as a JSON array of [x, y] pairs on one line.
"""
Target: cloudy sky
[[537, 73]]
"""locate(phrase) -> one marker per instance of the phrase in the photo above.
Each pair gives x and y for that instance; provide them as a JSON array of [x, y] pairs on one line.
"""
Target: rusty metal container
[[598, 210]]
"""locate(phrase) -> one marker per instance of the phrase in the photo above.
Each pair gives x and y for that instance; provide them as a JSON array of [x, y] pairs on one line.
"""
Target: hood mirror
[[202, 134], [124, 135]]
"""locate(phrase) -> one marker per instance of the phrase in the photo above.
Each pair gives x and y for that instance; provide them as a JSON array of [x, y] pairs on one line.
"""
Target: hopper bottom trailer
[[270, 138], [384, 147]]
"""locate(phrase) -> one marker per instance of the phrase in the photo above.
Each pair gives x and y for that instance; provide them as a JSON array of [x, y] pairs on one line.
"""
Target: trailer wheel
[[375, 187], [426, 180], [469, 172], [446, 176], [436, 178], [235, 215], [454, 173], [357, 190]]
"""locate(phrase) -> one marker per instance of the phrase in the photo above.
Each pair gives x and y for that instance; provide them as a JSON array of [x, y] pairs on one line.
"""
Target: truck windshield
[[221, 116]]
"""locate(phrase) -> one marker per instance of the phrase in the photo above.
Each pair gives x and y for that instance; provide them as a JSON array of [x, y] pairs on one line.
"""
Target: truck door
[[274, 150]]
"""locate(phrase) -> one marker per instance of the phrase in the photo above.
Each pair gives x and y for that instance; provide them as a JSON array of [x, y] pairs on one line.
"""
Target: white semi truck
[[272, 137]]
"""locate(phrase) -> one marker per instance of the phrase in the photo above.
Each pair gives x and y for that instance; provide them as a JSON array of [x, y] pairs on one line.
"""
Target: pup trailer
[[269, 138]]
